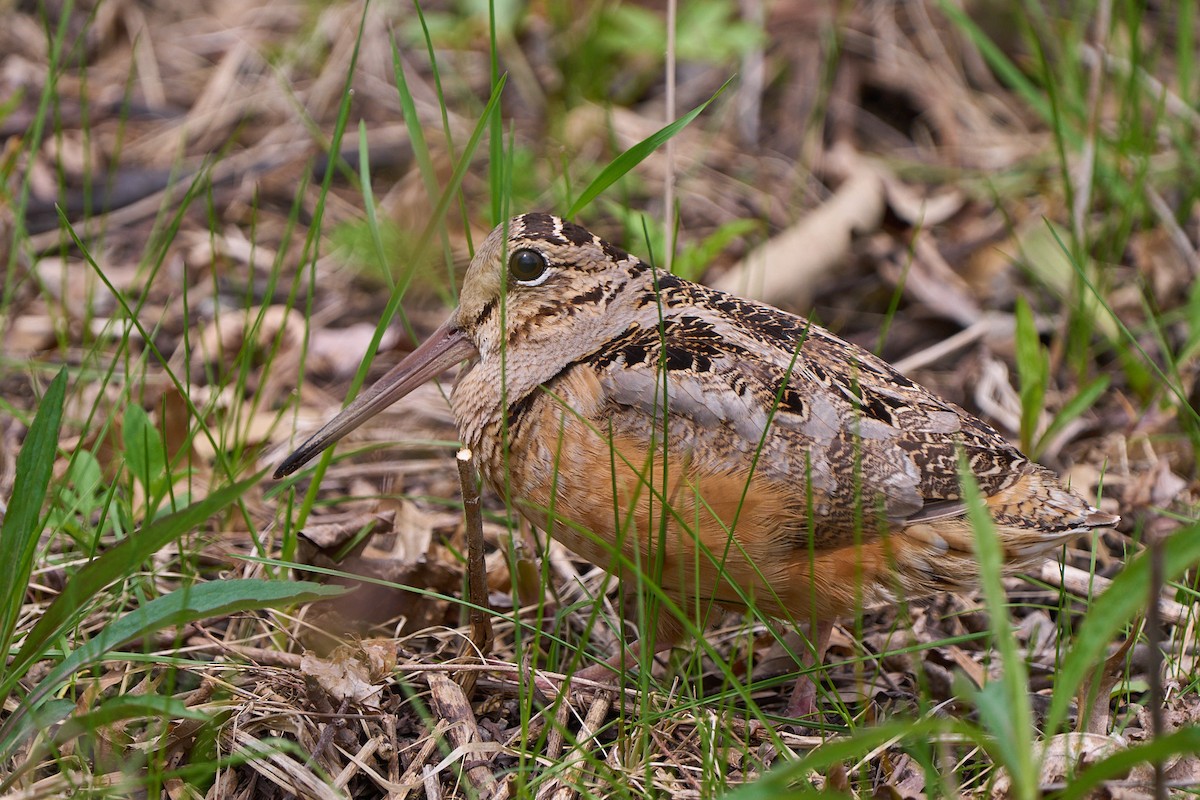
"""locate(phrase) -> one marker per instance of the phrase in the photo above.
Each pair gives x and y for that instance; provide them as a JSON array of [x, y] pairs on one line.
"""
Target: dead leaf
[[1100, 685], [256, 329], [329, 537], [1039, 634], [917, 209], [76, 286], [970, 667], [905, 777], [175, 421], [352, 673], [1167, 485], [1067, 754], [28, 334]]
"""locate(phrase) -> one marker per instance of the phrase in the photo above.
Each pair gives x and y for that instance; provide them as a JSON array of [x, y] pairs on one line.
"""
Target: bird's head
[[540, 293]]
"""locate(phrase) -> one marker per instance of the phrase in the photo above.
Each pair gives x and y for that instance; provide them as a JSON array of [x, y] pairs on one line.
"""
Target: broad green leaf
[[994, 705], [20, 530], [212, 599], [85, 478], [43, 718], [118, 562]]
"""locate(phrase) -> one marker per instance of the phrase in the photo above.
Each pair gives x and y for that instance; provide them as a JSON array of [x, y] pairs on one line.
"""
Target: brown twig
[[1084, 584], [449, 702], [416, 767], [566, 787], [481, 622]]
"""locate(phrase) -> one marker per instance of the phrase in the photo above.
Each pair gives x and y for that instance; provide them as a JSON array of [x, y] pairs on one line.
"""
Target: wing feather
[[772, 389]]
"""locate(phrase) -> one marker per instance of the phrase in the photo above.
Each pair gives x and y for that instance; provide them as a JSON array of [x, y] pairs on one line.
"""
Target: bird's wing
[[747, 384]]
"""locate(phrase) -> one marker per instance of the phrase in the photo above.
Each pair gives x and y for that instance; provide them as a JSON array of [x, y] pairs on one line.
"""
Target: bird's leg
[[803, 703]]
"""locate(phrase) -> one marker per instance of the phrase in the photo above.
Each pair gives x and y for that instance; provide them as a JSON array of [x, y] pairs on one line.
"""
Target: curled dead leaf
[[1066, 755], [352, 672]]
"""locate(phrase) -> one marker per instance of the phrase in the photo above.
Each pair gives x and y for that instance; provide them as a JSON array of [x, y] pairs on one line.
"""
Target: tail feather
[[1034, 516], [1040, 502]]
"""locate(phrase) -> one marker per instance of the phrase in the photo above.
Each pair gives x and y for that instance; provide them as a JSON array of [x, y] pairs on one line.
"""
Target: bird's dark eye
[[527, 266]]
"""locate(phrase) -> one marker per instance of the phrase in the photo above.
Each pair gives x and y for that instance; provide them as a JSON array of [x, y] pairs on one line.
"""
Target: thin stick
[[1084, 584], [449, 702], [566, 786], [481, 622]]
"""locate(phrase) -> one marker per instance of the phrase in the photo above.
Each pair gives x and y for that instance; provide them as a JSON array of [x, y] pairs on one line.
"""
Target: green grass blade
[[435, 221], [416, 135], [787, 780], [1134, 353], [368, 193], [1033, 368], [1003, 708], [412, 124], [213, 599], [20, 531], [126, 707], [635, 155], [1004, 66], [118, 562], [1112, 611], [389, 312], [496, 180]]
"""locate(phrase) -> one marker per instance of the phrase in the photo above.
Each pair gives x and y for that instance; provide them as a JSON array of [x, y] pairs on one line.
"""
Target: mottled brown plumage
[[750, 456]]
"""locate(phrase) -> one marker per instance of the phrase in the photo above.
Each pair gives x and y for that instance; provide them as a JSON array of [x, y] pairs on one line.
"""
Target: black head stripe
[[576, 235], [541, 226]]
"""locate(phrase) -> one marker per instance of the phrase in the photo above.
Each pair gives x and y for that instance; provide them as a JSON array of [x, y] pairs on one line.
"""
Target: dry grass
[[870, 167]]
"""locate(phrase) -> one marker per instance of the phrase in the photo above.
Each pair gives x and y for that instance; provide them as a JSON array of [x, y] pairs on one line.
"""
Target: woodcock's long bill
[[751, 455]]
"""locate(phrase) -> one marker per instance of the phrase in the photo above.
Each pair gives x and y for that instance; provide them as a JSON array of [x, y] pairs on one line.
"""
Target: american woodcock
[[732, 452]]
